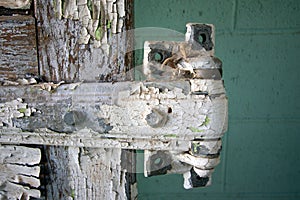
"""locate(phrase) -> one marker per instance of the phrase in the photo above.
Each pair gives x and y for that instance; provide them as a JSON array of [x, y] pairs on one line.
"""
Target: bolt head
[[156, 118], [73, 118]]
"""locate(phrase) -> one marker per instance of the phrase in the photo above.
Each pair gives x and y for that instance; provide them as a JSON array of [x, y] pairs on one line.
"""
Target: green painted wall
[[259, 44]]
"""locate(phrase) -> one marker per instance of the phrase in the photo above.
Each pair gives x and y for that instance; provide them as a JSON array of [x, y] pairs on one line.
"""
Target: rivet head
[[156, 118], [73, 118]]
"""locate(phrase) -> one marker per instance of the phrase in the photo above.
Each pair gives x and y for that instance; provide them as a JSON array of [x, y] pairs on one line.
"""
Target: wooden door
[[55, 42]]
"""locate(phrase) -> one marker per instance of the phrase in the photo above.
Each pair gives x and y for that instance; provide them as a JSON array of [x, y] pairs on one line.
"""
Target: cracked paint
[[99, 18], [14, 109], [16, 4]]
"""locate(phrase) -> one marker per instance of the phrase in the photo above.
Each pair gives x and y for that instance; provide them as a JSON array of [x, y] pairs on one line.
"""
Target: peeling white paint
[[14, 109], [187, 112], [98, 18], [14, 4], [19, 172]]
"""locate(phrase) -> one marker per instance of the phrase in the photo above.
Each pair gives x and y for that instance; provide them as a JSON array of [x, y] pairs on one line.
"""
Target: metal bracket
[[193, 59]]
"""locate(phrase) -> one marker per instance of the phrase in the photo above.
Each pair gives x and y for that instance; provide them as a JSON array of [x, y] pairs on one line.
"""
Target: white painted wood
[[76, 172], [15, 3], [89, 138], [86, 173], [19, 172]]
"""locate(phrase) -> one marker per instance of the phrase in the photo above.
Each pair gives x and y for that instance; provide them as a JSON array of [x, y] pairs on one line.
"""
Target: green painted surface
[[259, 44], [267, 14]]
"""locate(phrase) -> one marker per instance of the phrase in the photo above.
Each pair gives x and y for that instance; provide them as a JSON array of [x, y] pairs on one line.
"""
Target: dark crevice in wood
[[129, 24], [23, 184], [44, 173], [12, 12], [25, 165], [37, 47], [29, 175]]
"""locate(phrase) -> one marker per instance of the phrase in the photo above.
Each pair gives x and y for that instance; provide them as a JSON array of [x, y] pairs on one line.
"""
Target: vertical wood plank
[[112, 61], [57, 41], [86, 173], [62, 55]]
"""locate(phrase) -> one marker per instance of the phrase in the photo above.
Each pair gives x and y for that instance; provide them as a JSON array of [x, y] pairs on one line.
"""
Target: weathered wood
[[62, 57], [19, 172], [74, 45], [80, 41], [13, 109], [114, 50], [18, 54], [15, 3], [86, 173], [58, 47], [188, 109], [89, 138]]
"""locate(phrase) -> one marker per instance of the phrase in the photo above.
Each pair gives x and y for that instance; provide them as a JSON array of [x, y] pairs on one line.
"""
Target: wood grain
[[62, 55], [83, 173], [18, 53]]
